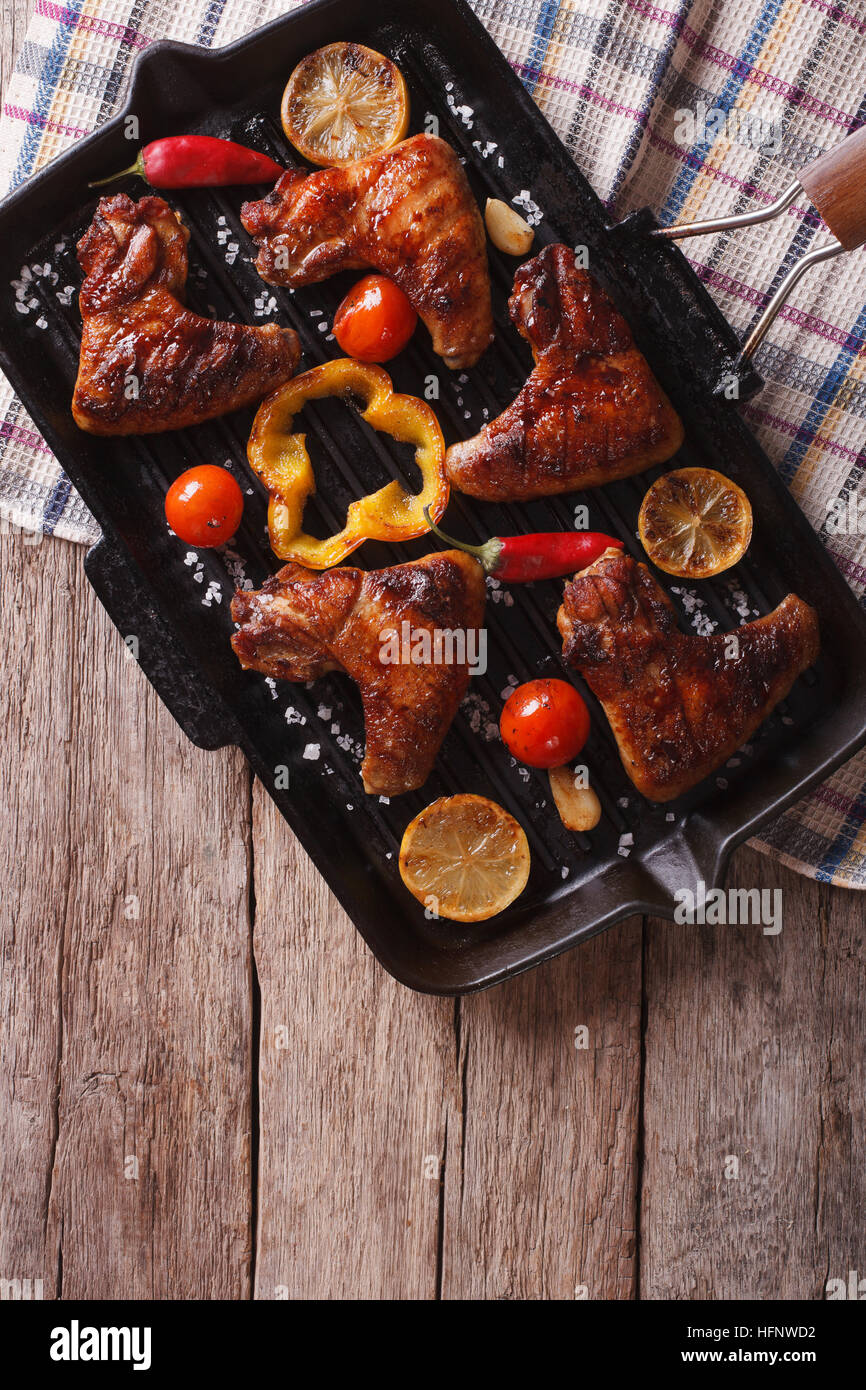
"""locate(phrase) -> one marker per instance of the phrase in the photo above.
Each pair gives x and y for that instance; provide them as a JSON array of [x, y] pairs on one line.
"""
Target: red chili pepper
[[197, 161], [544, 555]]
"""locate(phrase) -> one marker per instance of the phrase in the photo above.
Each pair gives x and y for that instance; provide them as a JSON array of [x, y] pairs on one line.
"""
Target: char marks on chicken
[[148, 364], [679, 705], [591, 409], [303, 623], [409, 213]]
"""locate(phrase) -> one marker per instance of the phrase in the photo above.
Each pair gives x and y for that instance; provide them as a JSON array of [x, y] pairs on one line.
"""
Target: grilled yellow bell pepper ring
[[280, 458]]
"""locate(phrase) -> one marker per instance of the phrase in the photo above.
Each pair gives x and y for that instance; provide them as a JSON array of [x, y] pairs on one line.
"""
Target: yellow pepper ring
[[281, 460]]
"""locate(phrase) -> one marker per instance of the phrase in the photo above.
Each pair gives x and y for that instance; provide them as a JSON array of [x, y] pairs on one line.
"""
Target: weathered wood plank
[[356, 1081], [14, 15], [753, 1045], [125, 1124], [37, 724], [754, 1065], [541, 1173]]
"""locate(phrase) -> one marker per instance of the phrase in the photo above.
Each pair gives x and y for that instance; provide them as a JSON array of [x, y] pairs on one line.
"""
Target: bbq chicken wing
[[591, 410], [303, 623], [678, 704], [148, 364], [408, 213]]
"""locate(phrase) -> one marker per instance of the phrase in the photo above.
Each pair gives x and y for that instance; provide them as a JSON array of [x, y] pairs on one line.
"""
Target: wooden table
[[210, 1089]]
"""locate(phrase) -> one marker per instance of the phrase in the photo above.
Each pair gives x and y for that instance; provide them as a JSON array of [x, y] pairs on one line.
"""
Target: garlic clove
[[579, 808], [507, 229]]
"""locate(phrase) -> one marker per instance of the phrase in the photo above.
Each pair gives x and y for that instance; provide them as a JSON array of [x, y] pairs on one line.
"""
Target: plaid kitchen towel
[[694, 107]]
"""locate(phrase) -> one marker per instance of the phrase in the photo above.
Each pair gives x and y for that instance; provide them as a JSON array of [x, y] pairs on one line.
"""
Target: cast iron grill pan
[[176, 602]]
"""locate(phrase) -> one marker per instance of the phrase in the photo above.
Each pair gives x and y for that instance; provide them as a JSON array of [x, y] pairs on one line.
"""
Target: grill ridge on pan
[[125, 481]]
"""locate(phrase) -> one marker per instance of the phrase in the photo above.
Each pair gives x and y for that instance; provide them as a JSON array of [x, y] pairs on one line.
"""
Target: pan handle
[[131, 608], [836, 185], [758, 333]]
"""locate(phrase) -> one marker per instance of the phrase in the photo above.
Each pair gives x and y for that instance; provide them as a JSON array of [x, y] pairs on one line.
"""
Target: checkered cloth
[[614, 78]]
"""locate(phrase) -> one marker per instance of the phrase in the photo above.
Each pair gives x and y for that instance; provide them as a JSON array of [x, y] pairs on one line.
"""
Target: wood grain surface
[[209, 1088], [754, 1086]]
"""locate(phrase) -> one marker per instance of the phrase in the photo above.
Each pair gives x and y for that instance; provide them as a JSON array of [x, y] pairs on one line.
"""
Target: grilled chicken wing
[[148, 364], [591, 410], [303, 623], [408, 213], [678, 705]]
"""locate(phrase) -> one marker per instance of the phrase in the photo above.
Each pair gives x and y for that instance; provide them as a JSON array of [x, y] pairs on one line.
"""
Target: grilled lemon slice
[[695, 522], [464, 858], [344, 102]]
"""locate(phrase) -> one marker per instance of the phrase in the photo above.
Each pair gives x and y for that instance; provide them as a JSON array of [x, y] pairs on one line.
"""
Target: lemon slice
[[344, 102], [464, 858], [695, 522]]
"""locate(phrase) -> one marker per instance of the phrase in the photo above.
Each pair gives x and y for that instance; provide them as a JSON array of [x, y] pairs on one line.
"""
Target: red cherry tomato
[[204, 506], [544, 723], [375, 321]]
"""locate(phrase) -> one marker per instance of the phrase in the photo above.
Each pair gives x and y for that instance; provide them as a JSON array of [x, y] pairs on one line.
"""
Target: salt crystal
[[525, 201], [465, 113]]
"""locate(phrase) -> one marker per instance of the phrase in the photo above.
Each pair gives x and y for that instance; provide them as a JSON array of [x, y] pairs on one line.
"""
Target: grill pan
[[176, 603]]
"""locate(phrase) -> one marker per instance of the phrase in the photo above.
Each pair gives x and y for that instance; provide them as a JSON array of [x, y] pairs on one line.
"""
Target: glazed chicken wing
[[302, 623], [591, 410], [148, 364], [408, 213], [679, 705]]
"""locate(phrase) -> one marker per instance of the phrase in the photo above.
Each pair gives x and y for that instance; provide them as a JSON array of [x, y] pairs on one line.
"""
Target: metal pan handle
[[835, 183]]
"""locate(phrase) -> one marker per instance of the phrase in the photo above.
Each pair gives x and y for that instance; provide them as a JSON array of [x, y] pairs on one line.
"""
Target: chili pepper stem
[[136, 168], [487, 554]]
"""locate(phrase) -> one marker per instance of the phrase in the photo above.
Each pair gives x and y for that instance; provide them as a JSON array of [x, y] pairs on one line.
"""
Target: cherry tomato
[[204, 506], [544, 723], [375, 321]]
